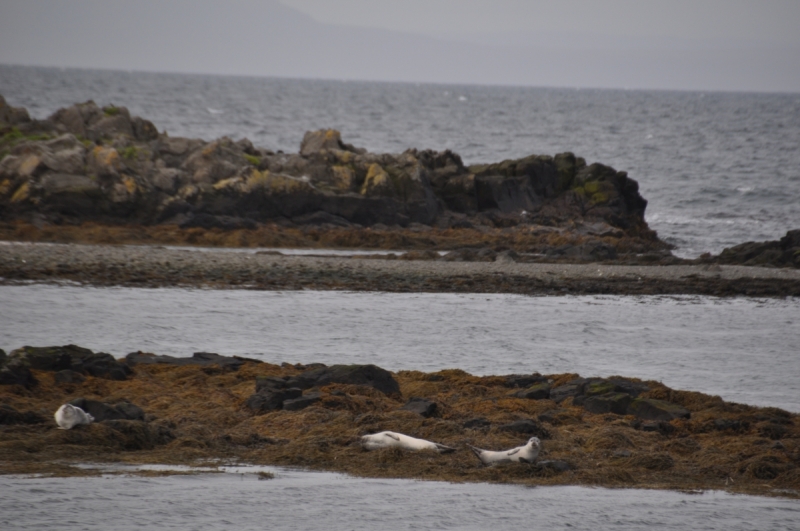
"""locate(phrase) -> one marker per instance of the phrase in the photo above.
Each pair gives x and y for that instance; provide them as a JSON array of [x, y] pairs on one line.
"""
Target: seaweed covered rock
[[71, 357]]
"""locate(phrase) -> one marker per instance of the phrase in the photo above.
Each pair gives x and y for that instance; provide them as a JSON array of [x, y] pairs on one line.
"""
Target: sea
[[717, 168]]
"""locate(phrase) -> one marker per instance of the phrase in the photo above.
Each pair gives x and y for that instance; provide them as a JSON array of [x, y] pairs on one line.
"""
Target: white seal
[[520, 454], [69, 416], [390, 439]]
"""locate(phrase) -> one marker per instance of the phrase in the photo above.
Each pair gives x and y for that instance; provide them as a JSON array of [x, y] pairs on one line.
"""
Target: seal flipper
[[442, 449], [392, 436], [512, 452]]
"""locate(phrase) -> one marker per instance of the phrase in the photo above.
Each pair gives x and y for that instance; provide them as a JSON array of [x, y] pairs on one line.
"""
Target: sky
[[734, 45]]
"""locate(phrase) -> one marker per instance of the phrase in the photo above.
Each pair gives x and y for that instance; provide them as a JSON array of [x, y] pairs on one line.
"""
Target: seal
[[520, 454], [390, 439], [69, 416]]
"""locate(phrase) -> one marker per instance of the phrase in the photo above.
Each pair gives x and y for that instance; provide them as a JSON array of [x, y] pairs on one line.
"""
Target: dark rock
[[9, 415], [13, 373], [608, 403], [265, 401], [315, 141], [477, 424], [302, 402], [12, 115], [524, 380], [71, 357], [570, 389], [101, 411], [421, 406], [369, 375], [526, 427], [198, 358], [269, 383], [652, 409], [782, 253], [68, 376], [539, 391], [601, 386]]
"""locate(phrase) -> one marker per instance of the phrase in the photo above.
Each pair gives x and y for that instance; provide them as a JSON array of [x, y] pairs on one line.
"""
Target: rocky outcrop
[[69, 357], [87, 162], [778, 253], [198, 358], [288, 393]]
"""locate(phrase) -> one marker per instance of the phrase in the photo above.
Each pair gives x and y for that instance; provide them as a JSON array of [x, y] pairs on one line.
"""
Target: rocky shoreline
[[612, 432], [414, 271]]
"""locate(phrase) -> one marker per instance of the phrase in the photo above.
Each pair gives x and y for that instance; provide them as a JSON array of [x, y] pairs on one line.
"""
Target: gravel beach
[[158, 266]]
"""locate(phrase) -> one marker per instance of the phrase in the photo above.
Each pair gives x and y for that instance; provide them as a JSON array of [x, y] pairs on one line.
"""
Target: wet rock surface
[[188, 414]]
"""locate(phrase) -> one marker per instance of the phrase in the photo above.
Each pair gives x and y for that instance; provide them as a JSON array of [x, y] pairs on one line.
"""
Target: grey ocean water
[[718, 169]]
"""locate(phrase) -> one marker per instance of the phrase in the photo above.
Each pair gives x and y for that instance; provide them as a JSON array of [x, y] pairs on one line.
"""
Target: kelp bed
[[197, 415]]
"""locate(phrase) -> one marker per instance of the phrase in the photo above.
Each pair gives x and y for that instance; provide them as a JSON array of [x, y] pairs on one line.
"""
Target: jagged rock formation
[[90, 163], [778, 253]]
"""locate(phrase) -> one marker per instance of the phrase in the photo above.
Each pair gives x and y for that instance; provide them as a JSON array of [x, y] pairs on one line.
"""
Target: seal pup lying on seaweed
[[390, 439], [520, 454], [69, 416]]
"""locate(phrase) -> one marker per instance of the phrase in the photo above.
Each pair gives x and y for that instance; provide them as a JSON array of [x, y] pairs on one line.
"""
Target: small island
[[210, 409]]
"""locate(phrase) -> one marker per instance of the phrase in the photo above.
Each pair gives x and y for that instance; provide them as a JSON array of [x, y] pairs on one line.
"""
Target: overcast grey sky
[[721, 21], [658, 44]]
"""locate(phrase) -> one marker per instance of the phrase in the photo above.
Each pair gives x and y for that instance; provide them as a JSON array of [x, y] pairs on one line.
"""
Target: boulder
[[540, 391], [570, 389], [302, 402], [271, 398], [781, 253], [421, 406], [12, 115], [15, 372], [608, 403], [102, 411], [198, 358], [316, 141], [72, 357], [523, 380], [369, 375], [652, 409]]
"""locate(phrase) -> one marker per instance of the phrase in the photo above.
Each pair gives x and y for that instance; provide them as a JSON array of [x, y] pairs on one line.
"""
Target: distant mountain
[[267, 38]]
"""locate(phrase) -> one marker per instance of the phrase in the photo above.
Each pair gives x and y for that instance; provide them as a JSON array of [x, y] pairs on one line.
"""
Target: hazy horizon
[[704, 45]]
